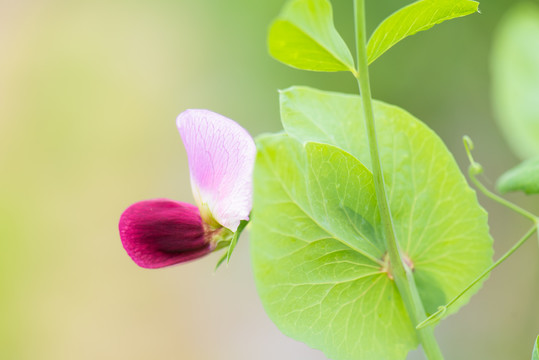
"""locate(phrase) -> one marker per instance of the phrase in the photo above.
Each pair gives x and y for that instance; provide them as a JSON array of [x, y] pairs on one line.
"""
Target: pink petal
[[162, 232], [221, 157]]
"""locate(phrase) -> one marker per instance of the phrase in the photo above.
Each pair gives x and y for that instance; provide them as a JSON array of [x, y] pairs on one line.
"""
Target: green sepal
[[535, 353], [235, 238], [230, 245], [220, 261], [222, 244]]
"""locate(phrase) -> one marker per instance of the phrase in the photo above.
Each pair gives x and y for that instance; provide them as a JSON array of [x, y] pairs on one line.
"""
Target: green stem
[[499, 199], [442, 309], [476, 169], [401, 273]]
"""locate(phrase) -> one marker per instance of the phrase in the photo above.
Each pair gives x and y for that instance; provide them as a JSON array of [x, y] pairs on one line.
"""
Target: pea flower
[[162, 232]]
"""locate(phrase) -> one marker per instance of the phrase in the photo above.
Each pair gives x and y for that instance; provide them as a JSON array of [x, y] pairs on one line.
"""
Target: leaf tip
[[219, 262]]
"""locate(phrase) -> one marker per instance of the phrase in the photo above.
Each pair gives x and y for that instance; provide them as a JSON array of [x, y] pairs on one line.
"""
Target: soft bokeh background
[[89, 91]]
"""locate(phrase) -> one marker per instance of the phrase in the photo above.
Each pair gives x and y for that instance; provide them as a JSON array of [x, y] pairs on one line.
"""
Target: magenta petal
[[162, 232], [221, 158]]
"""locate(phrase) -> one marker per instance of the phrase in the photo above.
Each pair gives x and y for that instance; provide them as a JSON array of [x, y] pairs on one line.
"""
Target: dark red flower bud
[[161, 232]]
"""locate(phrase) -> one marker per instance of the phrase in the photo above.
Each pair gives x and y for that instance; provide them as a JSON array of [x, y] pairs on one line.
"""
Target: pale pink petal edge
[[221, 157]]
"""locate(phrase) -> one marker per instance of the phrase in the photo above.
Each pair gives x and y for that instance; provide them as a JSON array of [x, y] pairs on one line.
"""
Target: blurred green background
[[89, 92]]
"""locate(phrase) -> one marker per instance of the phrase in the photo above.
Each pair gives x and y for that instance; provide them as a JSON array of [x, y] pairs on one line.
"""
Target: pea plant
[[364, 233]]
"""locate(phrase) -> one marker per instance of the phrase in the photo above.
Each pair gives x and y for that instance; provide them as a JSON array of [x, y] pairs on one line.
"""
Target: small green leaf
[[535, 353], [523, 177], [419, 16], [515, 75], [316, 238], [304, 36]]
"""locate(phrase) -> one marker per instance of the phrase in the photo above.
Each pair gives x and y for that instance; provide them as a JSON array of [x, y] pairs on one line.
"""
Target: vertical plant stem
[[401, 273]]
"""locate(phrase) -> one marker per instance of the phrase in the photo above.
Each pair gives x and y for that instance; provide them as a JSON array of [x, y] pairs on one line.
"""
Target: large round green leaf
[[317, 245]]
